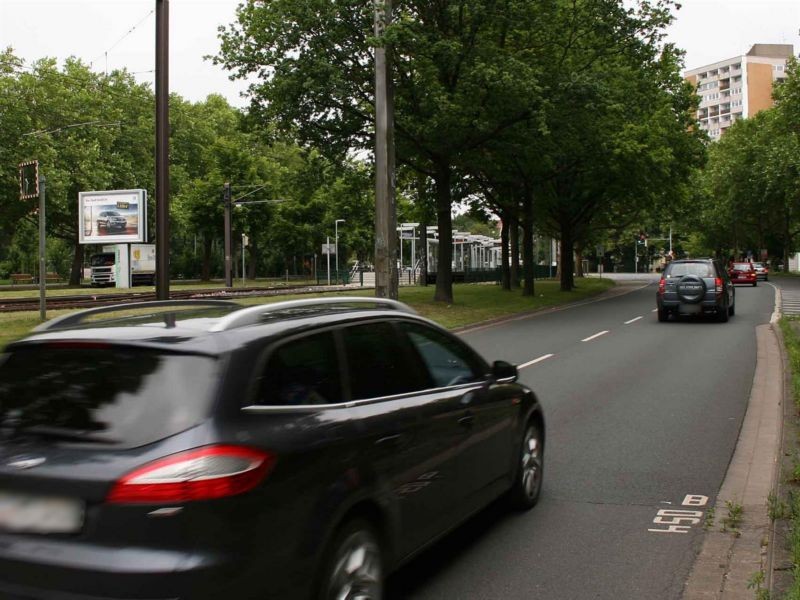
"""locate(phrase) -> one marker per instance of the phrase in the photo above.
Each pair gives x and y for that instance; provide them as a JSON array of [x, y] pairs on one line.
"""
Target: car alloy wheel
[[524, 494], [531, 463], [356, 569]]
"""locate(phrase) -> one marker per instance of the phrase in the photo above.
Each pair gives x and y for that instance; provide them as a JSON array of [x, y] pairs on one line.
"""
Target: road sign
[[329, 248], [29, 180]]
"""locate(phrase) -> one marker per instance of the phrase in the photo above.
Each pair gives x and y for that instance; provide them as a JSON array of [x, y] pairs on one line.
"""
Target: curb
[[728, 561]]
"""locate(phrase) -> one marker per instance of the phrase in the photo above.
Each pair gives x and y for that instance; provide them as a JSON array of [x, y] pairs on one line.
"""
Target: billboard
[[112, 217]]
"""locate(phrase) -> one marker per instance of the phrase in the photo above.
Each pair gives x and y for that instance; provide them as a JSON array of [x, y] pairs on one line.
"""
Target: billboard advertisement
[[112, 217]]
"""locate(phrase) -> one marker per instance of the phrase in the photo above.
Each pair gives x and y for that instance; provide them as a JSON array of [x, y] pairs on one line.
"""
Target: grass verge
[[474, 303], [790, 328]]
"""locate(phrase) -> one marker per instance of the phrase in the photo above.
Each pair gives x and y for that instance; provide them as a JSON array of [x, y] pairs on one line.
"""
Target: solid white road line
[[534, 361], [596, 335], [632, 321], [654, 310]]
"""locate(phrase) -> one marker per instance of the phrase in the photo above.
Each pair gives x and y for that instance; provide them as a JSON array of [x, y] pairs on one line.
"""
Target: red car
[[743, 272]]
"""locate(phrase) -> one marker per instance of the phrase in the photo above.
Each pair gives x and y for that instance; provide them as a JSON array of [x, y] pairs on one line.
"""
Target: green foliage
[[733, 519]]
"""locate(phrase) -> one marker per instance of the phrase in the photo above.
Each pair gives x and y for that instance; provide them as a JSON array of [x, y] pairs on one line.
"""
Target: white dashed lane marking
[[534, 361], [632, 321], [596, 335]]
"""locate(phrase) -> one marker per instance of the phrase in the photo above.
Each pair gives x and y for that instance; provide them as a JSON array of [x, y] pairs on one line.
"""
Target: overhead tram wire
[[115, 44]]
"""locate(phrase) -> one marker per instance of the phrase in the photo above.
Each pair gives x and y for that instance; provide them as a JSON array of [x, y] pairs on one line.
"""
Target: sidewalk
[[728, 561]]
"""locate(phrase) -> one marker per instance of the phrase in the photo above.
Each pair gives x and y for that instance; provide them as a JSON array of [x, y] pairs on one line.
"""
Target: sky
[[112, 34]]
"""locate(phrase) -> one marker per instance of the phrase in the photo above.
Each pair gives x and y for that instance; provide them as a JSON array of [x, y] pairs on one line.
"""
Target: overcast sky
[[99, 32]]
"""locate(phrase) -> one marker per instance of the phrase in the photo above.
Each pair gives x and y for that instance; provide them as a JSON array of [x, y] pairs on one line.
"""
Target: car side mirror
[[504, 372]]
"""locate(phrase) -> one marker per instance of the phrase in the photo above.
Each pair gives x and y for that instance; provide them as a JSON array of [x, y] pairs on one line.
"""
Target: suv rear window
[[700, 269], [117, 396]]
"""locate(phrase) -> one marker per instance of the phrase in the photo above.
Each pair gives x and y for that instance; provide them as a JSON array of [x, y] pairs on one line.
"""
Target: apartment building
[[738, 87]]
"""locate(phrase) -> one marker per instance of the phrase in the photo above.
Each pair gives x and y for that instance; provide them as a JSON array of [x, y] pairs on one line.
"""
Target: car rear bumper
[[706, 306], [55, 570]]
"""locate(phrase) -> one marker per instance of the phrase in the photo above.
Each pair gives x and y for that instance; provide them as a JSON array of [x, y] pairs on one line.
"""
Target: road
[[639, 414]]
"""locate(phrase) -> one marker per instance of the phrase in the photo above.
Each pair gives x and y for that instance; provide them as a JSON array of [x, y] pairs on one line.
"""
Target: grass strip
[[474, 303], [790, 328]]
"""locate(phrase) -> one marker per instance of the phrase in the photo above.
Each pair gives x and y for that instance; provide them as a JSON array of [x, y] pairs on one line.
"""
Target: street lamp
[[336, 246]]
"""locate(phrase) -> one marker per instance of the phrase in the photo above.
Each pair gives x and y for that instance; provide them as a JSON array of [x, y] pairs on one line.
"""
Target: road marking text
[[680, 520]]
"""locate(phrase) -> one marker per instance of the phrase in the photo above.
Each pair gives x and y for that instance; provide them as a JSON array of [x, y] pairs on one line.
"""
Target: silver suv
[[695, 287], [111, 219]]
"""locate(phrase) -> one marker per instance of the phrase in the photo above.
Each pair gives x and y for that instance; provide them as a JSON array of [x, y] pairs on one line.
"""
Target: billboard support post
[[42, 253]]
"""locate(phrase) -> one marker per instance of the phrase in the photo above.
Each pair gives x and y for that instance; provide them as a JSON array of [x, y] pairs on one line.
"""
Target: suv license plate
[[24, 513], [690, 309]]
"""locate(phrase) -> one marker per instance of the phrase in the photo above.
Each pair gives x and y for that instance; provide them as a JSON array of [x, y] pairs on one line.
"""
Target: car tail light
[[201, 474], [718, 285], [662, 285]]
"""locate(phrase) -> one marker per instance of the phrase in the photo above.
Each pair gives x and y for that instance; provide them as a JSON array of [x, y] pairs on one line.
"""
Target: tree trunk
[[505, 273], [527, 244], [579, 260], [205, 269], [566, 264], [514, 242], [444, 268], [76, 273]]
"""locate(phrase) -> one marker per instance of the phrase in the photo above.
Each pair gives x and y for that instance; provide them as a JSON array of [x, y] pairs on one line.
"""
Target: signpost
[[327, 250], [32, 185]]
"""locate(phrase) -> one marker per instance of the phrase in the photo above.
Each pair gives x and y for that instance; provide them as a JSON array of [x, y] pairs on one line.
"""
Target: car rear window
[[743, 267], [700, 269], [117, 396]]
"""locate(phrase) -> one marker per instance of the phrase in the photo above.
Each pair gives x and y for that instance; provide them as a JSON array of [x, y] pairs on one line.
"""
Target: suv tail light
[[662, 286], [718, 285], [201, 474]]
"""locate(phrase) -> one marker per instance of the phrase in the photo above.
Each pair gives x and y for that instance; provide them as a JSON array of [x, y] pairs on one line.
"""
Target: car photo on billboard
[[118, 216]]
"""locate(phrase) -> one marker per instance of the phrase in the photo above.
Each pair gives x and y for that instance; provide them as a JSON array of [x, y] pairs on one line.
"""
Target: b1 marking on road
[[680, 520]]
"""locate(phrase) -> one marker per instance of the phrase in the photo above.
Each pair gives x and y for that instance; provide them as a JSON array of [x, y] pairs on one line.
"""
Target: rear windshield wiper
[[61, 434]]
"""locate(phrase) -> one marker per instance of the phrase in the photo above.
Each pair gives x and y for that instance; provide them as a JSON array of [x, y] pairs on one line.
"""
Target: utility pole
[[386, 284], [42, 252], [162, 149], [226, 199]]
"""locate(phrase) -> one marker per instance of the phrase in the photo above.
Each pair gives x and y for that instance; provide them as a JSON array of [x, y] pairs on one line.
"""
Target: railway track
[[92, 300]]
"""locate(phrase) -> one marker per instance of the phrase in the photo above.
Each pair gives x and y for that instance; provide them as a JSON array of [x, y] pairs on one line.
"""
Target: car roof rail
[[254, 315], [81, 318]]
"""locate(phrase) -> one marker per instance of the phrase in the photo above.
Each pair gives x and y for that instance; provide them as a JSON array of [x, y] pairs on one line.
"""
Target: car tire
[[755, 283], [723, 314], [353, 566], [731, 310], [527, 488], [663, 315]]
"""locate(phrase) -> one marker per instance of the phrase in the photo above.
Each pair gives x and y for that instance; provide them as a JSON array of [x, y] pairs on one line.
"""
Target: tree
[[458, 83]]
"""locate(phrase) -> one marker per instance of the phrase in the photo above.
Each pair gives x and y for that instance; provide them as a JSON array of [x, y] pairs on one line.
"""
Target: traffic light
[[641, 238]]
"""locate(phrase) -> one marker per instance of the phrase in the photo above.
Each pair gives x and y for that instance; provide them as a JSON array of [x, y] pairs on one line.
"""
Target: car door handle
[[466, 420], [389, 439]]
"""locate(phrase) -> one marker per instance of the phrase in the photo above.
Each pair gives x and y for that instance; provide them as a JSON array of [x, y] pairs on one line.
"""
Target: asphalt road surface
[[640, 415]]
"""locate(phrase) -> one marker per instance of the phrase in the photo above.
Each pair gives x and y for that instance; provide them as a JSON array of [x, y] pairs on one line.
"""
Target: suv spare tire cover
[[691, 289]]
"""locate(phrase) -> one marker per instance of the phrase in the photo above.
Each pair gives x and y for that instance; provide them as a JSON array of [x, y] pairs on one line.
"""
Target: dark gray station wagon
[[200, 450]]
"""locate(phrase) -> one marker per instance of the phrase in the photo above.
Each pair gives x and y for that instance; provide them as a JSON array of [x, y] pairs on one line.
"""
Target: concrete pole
[[386, 283], [162, 149], [328, 254]]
